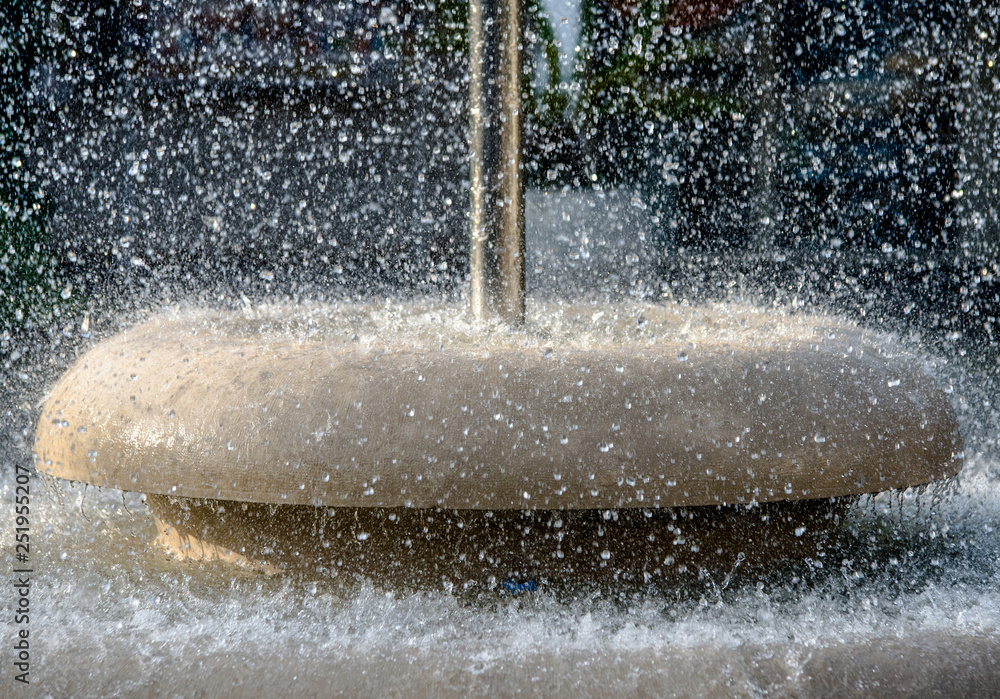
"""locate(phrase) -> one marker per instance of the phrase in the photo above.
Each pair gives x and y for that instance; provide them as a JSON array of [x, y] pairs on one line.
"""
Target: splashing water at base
[[908, 568]]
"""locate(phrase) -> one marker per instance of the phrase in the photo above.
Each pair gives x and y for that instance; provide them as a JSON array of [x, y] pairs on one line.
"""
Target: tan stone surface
[[164, 409]]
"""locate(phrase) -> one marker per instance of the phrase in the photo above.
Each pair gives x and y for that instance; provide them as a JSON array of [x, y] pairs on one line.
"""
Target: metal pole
[[766, 115], [496, 255]]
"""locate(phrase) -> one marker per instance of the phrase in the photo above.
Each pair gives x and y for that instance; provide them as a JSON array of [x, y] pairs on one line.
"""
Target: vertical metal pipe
[[496, 255], [766, 114]]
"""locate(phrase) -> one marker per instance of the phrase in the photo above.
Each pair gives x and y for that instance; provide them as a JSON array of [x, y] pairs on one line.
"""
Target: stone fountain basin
[[211, 406], [464, 453]]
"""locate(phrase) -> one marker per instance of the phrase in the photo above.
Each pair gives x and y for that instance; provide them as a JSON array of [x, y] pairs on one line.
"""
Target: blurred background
[[832, 154]]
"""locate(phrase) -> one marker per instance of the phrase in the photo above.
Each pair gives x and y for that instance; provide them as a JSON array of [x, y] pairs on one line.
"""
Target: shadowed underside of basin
[[400, 547], [182, 409]]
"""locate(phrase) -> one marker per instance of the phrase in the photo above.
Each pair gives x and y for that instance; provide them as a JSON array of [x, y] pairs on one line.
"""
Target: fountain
[[625, 462], [513, 419]]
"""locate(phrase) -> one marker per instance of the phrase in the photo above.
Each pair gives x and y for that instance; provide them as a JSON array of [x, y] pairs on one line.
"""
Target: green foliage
[[30, 288], [444, 28], [636, 67]]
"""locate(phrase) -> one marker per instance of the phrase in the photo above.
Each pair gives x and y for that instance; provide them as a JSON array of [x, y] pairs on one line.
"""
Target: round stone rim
[[161, 409]]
